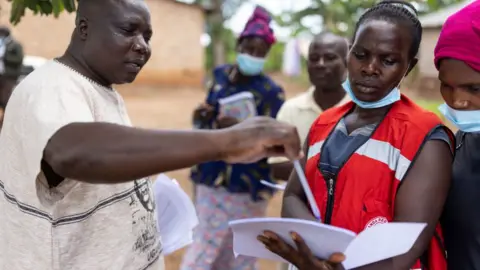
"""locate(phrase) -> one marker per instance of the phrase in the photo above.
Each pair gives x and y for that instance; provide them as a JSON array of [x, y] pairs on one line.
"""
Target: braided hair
[[398, 12]]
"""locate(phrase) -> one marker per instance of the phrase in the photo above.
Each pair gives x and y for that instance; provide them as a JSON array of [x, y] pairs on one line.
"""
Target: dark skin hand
[[379, 59], [226, 121], [203, 112], [109, 153], [92, 157], [300, 256], [281, 171]]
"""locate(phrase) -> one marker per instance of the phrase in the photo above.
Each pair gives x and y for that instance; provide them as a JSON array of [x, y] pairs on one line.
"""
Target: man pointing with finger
[[75, 175]]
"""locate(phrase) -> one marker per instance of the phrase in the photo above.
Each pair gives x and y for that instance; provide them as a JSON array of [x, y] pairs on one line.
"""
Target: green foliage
[[431, 105], [275, 56], [340, 16], [42, 7]]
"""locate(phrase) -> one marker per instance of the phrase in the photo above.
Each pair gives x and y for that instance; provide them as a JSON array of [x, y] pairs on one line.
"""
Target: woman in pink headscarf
[[457, 57]]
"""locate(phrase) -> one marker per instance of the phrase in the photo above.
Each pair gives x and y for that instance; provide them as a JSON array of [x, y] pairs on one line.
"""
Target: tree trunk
[[216, 21], [219, 54]]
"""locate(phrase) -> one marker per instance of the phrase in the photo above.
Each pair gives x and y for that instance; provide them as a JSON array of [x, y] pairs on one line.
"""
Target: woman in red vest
[[379, 158]]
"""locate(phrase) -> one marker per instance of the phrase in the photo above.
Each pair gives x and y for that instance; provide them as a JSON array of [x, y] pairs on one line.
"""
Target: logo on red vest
[[376, 221]]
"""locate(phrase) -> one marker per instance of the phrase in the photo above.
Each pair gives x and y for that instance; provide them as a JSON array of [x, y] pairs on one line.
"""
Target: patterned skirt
[[212, 247]]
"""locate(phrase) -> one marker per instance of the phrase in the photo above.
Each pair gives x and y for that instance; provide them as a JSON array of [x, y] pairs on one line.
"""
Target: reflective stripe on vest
[[377, 150]]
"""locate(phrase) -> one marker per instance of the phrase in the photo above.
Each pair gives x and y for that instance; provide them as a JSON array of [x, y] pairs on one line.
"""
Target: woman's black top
[[461, 217]]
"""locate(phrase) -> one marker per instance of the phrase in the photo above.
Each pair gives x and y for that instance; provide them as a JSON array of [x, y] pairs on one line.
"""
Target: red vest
[[363, 193]]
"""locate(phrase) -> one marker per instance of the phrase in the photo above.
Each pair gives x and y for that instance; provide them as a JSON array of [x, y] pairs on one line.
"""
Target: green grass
[[431, 105]]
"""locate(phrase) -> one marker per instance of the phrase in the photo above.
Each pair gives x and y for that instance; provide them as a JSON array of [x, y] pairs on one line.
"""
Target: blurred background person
[[225, 191], [11, 59], [327, 69]]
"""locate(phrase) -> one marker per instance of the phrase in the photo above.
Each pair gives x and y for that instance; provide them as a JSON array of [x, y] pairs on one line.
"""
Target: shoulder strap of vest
[[408, 110], [419, 118]]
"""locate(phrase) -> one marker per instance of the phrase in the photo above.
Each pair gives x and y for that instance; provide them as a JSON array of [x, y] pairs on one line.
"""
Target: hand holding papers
[[176, 215], [377, 243]]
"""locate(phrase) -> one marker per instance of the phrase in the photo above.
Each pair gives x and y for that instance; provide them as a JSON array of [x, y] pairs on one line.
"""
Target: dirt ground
[[168, 108]]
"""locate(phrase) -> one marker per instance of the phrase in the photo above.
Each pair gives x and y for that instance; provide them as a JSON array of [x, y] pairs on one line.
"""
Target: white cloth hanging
[[291, 59]]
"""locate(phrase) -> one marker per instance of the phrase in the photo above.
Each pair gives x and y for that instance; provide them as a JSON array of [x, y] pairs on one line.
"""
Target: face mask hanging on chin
[[466, 121], [391, 98], [250, 65]]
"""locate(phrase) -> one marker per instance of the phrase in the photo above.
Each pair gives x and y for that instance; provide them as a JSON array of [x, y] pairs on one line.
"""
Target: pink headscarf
[[259, 26], [460, 37]]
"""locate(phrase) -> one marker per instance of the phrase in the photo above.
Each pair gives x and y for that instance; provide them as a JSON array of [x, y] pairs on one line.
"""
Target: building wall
[[425, 61], [426, 82], [177, 56]]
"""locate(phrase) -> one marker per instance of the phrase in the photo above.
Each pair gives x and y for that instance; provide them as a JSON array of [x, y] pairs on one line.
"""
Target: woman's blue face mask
[[466, 121], [250, 65], [391, 98]]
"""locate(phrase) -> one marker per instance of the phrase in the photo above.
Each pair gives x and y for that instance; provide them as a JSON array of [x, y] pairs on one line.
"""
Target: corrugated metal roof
[[438, 18]]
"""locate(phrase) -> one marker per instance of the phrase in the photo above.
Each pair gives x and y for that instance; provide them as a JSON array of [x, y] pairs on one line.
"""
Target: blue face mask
[[467, 121], [392, 97], [250, 65]]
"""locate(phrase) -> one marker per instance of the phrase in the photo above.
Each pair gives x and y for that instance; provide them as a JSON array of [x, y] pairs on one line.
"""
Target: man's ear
[[82, 27], [413, 63]]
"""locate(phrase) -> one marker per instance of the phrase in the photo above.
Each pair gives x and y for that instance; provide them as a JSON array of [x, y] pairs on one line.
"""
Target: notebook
[[240, 106]]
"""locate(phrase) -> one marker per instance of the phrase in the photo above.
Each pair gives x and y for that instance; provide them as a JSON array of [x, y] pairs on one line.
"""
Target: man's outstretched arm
[[109, 153]]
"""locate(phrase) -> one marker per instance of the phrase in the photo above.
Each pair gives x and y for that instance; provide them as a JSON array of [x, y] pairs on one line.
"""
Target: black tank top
[[461, 217]]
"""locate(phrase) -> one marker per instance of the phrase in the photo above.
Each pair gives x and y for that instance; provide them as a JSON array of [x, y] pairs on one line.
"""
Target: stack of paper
[[176, 215], [375, 244], [239, 106]]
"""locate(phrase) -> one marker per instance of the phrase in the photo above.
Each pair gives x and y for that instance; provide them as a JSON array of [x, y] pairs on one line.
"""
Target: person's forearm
[[294, 207], [402, 262], [282, 170], [108, 153], [382, 265]]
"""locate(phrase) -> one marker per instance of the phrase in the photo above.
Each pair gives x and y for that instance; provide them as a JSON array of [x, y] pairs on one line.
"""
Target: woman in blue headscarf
[[226, 192]]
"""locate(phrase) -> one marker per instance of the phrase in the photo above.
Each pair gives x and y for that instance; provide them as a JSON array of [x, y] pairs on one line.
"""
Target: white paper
[[377, 243], [245, 232], [273, 185], [176, 215], [240, 106], [381, 242]]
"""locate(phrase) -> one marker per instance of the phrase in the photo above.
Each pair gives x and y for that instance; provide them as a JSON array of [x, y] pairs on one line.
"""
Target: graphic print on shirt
[[144, 227]]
